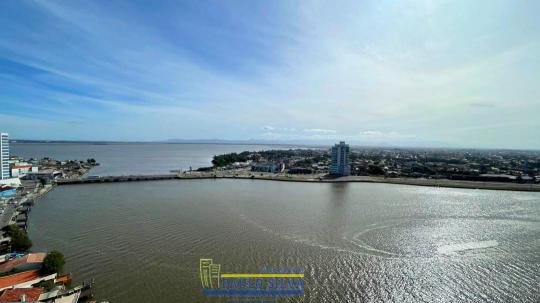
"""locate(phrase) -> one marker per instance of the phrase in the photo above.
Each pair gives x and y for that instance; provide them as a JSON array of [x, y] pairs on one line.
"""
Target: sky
[[403, 73]]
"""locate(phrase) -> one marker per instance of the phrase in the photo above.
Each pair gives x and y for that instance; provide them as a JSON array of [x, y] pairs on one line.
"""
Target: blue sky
[[441, 73]]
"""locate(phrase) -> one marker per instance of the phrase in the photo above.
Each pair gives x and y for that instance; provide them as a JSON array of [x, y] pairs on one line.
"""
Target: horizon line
[[257, 142]]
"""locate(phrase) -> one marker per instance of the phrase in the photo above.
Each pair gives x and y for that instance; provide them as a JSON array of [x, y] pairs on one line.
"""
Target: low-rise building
[[27, 294], [46, 174], [19, 170]]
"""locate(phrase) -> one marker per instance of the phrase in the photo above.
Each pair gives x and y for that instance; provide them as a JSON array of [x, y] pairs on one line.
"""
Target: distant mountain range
[[170, 141]]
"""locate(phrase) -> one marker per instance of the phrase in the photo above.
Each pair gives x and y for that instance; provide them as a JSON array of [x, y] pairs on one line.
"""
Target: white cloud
[[320, 130], [364, 68]]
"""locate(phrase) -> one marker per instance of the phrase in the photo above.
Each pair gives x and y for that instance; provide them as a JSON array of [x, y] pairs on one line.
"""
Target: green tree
[[42, 182], [53, 263], [19, 240]]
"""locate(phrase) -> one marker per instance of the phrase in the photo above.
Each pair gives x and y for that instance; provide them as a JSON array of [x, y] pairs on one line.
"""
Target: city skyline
[[414, 73]]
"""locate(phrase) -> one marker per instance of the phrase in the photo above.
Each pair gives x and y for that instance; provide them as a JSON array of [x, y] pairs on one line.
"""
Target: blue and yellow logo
[[270, 282]]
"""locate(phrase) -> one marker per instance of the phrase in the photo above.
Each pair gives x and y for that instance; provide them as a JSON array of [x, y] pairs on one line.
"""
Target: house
[[30, 294], [23, 263], [23, 279]]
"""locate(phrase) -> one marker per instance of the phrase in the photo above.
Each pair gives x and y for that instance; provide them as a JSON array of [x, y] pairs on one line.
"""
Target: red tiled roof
[[22, 166], [21, 277], [24, 260], [14, 295], [65, 279], [36, 257]]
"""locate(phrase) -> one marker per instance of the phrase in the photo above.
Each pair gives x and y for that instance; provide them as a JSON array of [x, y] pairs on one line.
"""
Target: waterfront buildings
[[20, 169], [4, 156], [340, 163], [48, 174], [453, 164]]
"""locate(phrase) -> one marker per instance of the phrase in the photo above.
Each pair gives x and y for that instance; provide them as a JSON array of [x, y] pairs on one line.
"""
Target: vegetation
[[47, 285], [375, 170], [53, 263], [19, 240], [227, 159], [269, 155], [276, 155], [210, 168], [42, 182]]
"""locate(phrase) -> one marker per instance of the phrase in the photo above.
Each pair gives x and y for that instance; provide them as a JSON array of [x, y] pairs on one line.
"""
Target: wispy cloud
[[320, 131], [364, 70]]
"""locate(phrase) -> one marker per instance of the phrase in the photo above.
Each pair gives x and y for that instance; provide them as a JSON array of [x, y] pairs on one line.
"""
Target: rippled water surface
[[135, 158], [357, 242]]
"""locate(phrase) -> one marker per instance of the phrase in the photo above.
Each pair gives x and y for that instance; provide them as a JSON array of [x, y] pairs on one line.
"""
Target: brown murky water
[[357, 242]]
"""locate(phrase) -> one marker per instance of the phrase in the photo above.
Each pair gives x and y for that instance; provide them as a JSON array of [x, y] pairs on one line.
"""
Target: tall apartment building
[[4, 156], [340, 164]]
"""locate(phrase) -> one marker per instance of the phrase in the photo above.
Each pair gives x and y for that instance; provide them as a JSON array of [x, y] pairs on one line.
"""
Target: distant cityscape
[[342, 160], [515, 166], [24, 181]]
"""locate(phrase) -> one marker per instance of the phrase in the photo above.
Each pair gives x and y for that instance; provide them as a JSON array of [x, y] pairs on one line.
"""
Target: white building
[[340, 164], [4, 156], [20, 169]]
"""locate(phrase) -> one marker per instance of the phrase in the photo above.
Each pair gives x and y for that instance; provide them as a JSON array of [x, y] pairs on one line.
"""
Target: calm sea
[[134, 158], [356, 242]]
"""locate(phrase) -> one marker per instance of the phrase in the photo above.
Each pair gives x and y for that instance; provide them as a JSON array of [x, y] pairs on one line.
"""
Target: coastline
[[16, 212], [401, 181], [315, 179]]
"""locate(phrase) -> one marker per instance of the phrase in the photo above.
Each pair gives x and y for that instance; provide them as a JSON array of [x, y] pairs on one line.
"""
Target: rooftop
[[19, 278], [14, 295]]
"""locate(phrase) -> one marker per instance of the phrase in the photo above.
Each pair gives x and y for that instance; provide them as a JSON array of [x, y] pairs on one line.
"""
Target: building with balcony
[[340, 164], [4, 156]]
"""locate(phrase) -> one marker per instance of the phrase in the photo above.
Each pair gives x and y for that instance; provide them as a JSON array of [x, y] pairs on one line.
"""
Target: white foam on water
[[453, 248]]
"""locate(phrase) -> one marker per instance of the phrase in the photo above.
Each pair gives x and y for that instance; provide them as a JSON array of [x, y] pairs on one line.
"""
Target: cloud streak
[[373, 71]]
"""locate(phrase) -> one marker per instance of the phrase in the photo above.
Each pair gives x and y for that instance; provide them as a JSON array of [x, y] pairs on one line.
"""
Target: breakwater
[[109, 179]]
